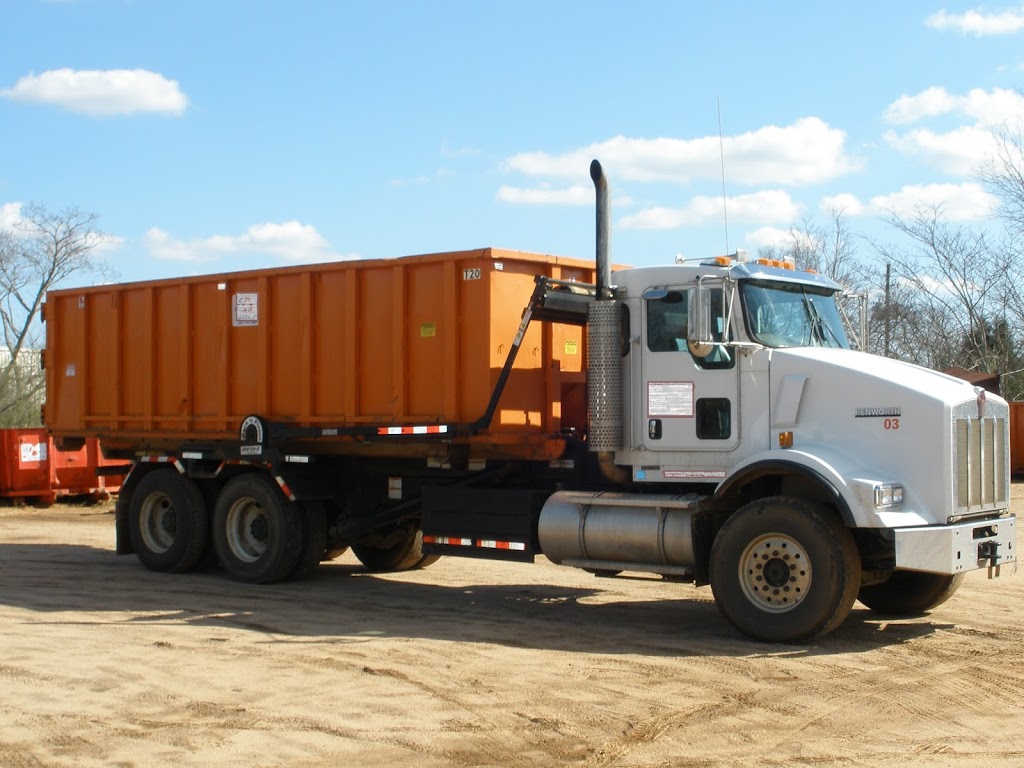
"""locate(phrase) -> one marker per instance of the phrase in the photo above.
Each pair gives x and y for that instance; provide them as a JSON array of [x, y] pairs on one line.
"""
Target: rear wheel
[[168, 522], [400, 550], [908, 593], [784, 570], [314, 540], [257, 531]]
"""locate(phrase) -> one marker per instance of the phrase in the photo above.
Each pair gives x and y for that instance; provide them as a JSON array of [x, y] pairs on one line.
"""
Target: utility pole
[[888, 320]]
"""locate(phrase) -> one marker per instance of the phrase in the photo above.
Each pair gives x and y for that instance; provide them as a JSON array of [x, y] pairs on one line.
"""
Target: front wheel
[[910, 593], [258, 532], [784, 570]]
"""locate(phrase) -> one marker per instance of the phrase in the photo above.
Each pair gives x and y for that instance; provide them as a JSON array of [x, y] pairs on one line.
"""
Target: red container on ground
[[1017, 437], [31, 468]]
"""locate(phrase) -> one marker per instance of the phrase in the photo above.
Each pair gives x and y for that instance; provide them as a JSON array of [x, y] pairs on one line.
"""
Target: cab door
[[689, 402]]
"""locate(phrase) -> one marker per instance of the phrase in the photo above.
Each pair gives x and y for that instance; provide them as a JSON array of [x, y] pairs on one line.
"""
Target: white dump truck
[[712, 425]]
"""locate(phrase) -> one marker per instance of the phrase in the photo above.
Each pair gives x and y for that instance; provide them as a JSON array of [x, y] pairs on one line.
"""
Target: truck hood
[[890, 375], [878, 420]]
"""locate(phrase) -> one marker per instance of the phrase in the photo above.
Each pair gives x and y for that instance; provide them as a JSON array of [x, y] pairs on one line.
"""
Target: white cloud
[[928, 103], [960, 152], [12, 221], [767, 237], [843, 202], [10, 215], [958, 202], [766, 206], [101, 92], [978, 23], [291, 241], [544, 194], [987, 108], [963, 150], [805, 152]]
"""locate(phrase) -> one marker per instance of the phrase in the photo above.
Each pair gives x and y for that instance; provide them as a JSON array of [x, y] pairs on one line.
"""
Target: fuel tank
[[586, 529]]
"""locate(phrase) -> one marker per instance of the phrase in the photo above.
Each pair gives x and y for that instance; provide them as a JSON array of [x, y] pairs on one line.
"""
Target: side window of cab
[[666, 321], [666, 312]]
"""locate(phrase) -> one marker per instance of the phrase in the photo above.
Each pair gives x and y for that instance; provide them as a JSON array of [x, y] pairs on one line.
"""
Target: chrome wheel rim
[[775, 573], [158, 523], [247, 530]]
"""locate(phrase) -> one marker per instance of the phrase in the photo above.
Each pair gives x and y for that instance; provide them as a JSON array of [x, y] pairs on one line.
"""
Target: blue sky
[[221, 135]]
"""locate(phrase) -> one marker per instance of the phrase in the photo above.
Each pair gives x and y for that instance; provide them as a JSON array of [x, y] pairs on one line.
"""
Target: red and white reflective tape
[[516, 545], [163, 460], [452, 541], [449, 541], [285, 488], [429, 429]]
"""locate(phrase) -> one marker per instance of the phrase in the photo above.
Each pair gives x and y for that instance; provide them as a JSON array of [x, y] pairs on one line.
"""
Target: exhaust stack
[[604, 348], [604, 228]]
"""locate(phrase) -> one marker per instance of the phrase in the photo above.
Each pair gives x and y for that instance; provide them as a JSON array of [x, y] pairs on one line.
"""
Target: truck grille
[[982, 462]]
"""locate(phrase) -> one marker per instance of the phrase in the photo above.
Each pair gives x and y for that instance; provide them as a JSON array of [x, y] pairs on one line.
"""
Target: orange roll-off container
[[32, 467], [415, 340]]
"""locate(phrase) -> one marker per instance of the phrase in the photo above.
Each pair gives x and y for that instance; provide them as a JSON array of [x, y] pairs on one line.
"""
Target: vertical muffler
[[604, 346]]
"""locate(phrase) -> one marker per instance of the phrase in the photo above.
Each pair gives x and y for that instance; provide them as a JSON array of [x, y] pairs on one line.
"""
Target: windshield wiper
[[821, 327], [817, 332]]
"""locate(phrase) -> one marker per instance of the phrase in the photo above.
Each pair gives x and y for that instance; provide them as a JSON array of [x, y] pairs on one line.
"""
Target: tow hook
[[989, 550]]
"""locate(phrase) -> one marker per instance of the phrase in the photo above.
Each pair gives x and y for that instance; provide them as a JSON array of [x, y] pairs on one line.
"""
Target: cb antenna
[[721, 155]]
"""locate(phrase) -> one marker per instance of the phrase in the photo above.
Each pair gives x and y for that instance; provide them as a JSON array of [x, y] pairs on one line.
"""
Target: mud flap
[[482, 522]]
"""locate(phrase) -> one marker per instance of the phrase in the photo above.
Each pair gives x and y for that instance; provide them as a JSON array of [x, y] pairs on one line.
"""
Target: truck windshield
[[792, 315]]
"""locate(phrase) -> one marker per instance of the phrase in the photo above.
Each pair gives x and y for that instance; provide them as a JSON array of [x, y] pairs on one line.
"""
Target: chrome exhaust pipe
[[604, 229], [604, 347]]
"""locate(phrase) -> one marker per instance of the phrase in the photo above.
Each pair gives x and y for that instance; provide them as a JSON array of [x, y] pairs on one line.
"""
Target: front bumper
[[957, 548]]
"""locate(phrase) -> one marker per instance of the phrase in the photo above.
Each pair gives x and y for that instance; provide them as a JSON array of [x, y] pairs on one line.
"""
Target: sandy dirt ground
[[472, 663]]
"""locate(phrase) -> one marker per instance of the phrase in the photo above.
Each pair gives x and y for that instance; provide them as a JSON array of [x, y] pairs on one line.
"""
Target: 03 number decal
[[891, 423]]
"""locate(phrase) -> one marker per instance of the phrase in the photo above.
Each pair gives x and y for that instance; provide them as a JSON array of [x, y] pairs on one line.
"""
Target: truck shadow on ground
[[343, 603]]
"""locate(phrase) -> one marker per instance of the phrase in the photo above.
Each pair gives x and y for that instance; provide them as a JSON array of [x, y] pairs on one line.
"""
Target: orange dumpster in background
[[414, 340], [32, 468], [1017, 438]]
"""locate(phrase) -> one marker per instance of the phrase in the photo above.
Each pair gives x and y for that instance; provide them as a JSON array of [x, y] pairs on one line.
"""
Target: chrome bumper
[[957, 548]]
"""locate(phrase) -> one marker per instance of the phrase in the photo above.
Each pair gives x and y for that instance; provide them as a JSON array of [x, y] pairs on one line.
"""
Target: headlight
[[888, 496]]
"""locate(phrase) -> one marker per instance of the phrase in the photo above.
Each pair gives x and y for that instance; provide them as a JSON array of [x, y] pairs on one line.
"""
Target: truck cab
[[734, 364], [790, 471]]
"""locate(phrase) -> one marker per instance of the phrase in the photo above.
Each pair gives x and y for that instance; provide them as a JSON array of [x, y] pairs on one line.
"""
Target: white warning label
[[33, 453], [670, 399], [246, 309]]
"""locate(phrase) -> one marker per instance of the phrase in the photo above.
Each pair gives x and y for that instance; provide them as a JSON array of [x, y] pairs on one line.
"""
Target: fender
[[797, 462]]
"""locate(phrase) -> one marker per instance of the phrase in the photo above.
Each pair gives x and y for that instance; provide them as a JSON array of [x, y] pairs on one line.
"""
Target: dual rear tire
[[257, 533], [168, 522]]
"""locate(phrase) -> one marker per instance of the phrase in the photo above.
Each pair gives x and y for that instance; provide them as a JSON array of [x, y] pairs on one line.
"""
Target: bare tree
[[953, 284], [42, 249], [1003, 175], [828, 249]]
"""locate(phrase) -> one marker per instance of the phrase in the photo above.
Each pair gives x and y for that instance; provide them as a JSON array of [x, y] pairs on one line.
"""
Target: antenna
[[721, 155]]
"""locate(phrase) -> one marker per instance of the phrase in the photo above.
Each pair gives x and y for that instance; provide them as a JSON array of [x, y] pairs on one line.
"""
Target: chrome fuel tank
[[585, 529]]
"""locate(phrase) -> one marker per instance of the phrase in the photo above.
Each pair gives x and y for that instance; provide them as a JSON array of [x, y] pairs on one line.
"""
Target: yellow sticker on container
[[428, 330], [572, 347]]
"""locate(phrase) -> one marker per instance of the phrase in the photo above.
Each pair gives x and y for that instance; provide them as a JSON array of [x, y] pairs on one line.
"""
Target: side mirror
[[698, 334]]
